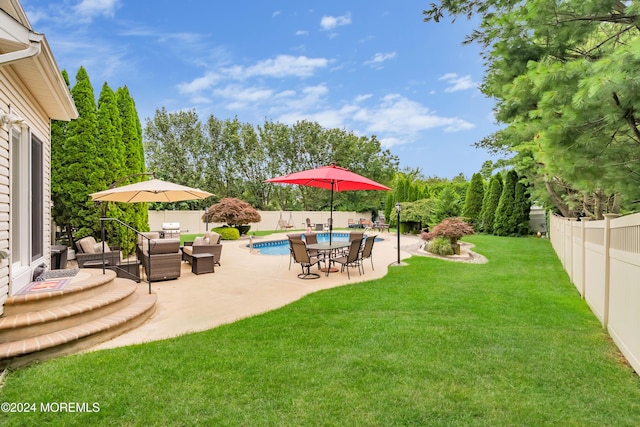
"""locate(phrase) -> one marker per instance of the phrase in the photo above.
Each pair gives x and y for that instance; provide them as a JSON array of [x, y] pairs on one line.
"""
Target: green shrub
[[440, 246], [228, 233]]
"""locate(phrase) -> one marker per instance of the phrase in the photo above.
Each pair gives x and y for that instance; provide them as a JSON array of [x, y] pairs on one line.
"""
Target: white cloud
[[242, 97], [401, 118], [286, 65], [282, 66], [200, 84], [330, 22], [285, 94], [326, 118], [309, 98], [302, 33], [91, 8], [379, 58], [276, 13], [458, 83]]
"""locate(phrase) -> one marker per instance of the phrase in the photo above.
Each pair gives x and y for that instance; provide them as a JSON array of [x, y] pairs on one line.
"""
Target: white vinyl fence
[[191, 221], [602, 259]]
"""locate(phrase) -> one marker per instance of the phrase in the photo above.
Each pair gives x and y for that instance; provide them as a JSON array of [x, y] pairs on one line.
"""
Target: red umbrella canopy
[[330, 177]]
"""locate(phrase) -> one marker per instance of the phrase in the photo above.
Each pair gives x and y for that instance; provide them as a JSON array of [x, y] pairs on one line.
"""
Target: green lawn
[[438, 343]]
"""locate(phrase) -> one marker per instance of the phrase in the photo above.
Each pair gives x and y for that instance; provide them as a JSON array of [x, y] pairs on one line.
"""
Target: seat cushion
[[97, 248], [164, 246], [214, 238], [87, 245]]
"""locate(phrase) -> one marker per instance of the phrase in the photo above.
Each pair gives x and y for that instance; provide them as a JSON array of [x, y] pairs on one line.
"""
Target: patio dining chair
[[291, 237], [302, 257], [311, 238], [352, 258], [367, 251]]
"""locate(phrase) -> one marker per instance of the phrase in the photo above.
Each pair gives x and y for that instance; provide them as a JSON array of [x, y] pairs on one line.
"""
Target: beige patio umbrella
[[153, 190]]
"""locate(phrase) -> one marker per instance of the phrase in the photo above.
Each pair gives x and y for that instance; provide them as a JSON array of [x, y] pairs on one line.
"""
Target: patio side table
[[202, 263]]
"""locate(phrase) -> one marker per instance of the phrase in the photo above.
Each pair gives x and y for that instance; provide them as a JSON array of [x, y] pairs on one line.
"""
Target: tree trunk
[[557, 201], [69, 232]]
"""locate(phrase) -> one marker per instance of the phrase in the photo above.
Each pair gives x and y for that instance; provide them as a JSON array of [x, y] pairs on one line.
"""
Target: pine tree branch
[[629, 117]]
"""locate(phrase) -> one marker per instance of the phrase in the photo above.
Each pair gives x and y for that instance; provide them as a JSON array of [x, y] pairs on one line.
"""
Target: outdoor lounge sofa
[[89, 254], [208, 243]]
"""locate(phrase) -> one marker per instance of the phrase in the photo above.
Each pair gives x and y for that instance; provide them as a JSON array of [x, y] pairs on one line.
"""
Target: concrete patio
[[246, 284]]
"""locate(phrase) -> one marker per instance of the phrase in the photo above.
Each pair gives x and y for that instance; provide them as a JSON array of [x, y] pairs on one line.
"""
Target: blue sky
[[372, 67]]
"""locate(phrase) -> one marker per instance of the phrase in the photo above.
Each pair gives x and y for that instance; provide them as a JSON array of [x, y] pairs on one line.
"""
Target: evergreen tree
[[110, 148], [490, 203], [505, 221], [58, 138], [447, 205], [79, 173], [522, 209], [111, 156], [473, 200], [136, 214]]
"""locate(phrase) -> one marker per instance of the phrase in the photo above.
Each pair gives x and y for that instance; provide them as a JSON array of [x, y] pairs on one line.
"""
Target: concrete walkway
[[245, 285]]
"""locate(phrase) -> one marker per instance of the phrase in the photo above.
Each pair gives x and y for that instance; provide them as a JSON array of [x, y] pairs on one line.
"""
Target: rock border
[[466, 254]]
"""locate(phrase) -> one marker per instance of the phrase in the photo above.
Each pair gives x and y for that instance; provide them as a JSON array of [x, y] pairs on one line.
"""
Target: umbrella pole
[[331, 215]]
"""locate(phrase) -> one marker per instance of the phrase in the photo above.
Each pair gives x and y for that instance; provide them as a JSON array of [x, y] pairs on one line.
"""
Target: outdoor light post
[[398, 225]]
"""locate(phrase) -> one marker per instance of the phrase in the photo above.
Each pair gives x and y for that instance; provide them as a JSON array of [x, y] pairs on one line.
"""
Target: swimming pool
[[281, 247]]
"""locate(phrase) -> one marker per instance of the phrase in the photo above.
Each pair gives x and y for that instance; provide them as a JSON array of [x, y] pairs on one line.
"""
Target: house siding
[[14, 94]]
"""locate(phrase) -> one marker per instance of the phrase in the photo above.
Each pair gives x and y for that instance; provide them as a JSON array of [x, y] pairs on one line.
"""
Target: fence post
[[607, 266], [569, 268], [583, 284]]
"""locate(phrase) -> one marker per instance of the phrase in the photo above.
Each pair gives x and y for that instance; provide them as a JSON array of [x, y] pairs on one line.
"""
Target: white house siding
[[14, 94], [4, 208]]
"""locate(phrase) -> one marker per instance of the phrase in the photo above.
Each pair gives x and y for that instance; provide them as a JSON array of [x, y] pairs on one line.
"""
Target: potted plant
[[452, 229]]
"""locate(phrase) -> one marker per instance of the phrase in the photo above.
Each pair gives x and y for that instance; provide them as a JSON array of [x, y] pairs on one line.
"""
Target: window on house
[[17, 248], [27, 198], [37, 200]]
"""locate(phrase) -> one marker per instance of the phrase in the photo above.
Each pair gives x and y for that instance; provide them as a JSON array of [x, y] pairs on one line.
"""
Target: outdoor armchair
[[209, 243], [89, 254], [161, 259]]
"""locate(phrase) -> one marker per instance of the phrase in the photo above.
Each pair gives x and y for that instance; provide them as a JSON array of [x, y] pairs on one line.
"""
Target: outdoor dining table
[[330, 250]]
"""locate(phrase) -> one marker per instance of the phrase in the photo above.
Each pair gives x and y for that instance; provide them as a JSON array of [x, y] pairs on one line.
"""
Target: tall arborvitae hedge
[[522, 209], [58, 166], [109, 143], [505, 223], [79, 171], [92, 152], [490, 203], [137, 214], [473, 201]]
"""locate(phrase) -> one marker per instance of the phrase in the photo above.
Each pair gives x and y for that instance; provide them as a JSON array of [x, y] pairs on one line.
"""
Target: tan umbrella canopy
[[153, 190]]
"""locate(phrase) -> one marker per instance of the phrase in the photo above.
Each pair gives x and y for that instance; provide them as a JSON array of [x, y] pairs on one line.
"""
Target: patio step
[[65, 322], [89, 282]]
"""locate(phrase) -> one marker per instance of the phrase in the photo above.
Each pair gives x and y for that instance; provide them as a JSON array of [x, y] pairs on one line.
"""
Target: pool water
[[281, 247]]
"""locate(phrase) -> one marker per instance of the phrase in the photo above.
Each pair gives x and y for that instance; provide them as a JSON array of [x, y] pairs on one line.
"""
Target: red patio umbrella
[[332, 178]]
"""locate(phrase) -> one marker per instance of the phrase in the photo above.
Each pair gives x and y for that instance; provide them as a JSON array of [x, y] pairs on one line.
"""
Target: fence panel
[[624, 287], [604, 264]]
